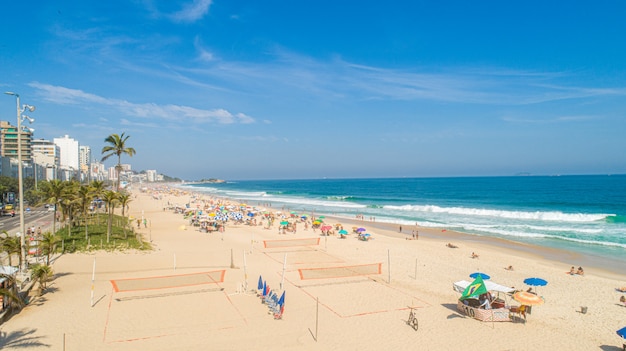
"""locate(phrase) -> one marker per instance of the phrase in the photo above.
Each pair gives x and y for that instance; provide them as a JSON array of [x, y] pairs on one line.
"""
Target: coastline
[[355, 313], [555, 257]]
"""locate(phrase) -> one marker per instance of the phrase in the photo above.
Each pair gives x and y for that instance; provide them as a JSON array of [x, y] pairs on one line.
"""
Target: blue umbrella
[[622, 332], [482, 275], [260, 285], [535, 282]]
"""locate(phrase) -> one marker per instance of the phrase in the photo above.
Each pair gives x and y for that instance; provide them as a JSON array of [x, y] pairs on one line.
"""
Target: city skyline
[[273, 90]]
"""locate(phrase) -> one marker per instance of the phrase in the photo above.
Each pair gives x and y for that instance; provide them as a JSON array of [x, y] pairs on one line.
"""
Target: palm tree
[[117, 146], [12, 292], [12, 245], [48, 244], [53, 193], [110, 198], [97, 188], [124, 199], [85, 196], [70, 198], [41, 273]]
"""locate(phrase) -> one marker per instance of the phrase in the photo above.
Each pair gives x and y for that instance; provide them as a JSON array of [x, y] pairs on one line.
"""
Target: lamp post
[[20, 181]]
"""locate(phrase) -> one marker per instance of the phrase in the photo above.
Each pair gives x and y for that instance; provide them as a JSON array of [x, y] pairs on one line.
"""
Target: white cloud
[[192, 12], [62, 95]]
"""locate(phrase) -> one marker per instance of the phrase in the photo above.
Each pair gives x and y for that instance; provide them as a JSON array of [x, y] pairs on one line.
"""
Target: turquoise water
[[581, 214]]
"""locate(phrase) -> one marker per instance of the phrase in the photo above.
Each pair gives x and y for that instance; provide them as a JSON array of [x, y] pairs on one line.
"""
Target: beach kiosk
[[470, 301]]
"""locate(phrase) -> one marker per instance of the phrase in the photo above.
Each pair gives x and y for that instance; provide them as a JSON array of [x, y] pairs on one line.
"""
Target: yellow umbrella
[[526, 298]]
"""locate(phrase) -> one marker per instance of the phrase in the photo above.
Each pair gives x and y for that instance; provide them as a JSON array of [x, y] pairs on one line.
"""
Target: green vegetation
[[116, 147]]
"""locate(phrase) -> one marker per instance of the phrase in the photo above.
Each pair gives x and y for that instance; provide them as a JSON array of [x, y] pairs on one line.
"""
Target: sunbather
[[450, 245], [474, 255]]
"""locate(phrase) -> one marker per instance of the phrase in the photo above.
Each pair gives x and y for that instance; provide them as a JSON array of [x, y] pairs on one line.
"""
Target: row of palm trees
[[72, 200]]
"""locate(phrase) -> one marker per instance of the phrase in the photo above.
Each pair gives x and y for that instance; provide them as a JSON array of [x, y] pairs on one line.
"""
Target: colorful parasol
[[526, 298]]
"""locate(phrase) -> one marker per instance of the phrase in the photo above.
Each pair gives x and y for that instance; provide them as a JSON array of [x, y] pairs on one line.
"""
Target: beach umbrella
[[622, 332], [535, 282], [284, 223], [321, 217], [526, 298], [260, 285], [343, 231], [361, 230], [482, 275]]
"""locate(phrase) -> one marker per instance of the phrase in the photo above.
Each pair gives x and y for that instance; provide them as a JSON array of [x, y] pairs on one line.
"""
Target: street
[[36, 217]]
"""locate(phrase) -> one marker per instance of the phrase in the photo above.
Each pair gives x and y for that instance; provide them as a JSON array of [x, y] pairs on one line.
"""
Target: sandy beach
[[364, 312]]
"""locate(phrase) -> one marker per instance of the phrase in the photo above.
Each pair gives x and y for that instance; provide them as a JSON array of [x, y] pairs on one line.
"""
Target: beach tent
[[461, 285]]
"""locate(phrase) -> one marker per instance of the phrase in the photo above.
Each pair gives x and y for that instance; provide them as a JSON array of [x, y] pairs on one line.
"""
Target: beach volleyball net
[[340, 271], [169, 281], [269, 244]]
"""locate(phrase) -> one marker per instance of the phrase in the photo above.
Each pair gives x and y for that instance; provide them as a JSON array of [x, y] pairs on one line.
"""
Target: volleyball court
[[158, 306], [302, 251], [354, 290]]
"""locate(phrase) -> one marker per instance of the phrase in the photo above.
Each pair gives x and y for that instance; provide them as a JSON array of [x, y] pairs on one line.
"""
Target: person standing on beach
[[400, 229]]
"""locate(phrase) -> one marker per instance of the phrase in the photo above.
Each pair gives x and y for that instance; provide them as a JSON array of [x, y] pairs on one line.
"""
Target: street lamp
[[20, 181]]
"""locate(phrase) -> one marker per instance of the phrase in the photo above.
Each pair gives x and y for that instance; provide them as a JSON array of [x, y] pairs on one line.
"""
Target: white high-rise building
[[85, 155], [84, 159], [151, 175], [69, 158], [46, 154]]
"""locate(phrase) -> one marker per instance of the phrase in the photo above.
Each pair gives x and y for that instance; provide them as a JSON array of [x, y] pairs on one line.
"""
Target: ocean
[[583, 214]]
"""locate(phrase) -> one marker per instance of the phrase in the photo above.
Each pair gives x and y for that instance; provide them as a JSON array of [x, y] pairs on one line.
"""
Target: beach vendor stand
[[469, 304]]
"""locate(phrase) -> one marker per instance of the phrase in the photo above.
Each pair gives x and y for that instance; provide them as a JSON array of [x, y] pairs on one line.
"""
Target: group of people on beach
[[578, 271]]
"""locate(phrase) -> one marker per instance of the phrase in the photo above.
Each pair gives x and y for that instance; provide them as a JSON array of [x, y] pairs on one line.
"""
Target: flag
[[475, 289], [281, 301], [260, 285], [264, 289]]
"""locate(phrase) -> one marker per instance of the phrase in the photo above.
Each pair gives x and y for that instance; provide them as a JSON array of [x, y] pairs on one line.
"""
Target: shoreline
[[608, 268], [360, 312]]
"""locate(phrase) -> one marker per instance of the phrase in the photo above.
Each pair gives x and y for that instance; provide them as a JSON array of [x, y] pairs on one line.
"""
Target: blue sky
[[310, 89]]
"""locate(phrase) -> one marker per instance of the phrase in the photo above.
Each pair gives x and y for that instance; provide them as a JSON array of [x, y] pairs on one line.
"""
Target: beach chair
[[520, 311]]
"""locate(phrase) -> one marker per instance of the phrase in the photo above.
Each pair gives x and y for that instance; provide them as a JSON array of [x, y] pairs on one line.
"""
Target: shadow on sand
[[23, 338]]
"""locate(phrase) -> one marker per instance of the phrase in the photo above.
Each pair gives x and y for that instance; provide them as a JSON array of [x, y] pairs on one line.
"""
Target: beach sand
[[366, 312]]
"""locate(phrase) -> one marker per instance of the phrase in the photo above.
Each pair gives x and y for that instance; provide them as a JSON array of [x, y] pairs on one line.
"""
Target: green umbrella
[[284, 223]]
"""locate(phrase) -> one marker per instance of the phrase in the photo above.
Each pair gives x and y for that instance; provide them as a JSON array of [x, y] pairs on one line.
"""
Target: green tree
[[11, 293], [110, 199], [68, 203], [48, 244], [117, 146], [12, 246], [53, 191], [41, 273], [85, 196], [124, 199]]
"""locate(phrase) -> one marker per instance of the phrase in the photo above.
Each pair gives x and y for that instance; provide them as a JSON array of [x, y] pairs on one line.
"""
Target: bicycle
[[412, 320]]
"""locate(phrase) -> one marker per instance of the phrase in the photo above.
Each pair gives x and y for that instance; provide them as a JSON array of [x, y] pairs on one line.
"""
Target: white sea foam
[[538, 215]]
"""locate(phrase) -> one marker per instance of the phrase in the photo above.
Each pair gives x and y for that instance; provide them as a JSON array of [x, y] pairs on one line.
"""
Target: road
[[36, 217]]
